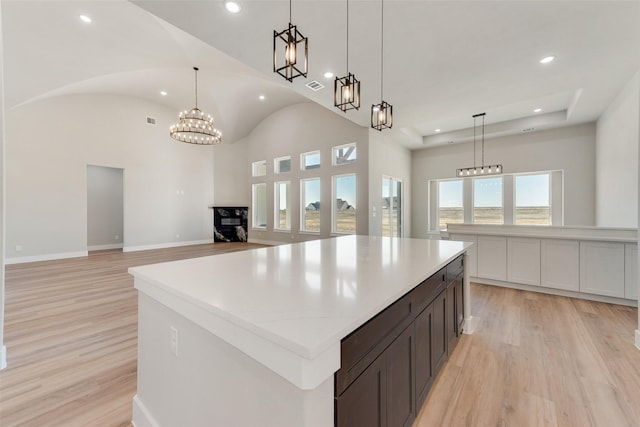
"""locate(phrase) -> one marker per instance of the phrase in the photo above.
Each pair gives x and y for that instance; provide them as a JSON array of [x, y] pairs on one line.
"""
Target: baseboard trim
[[3, 355], [141, 417], [638, 339], [104, 247], [559, 292], [46, 257], [165, 245]]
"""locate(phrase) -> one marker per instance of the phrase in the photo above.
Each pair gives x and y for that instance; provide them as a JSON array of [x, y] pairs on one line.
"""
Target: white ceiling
[[444, 60]]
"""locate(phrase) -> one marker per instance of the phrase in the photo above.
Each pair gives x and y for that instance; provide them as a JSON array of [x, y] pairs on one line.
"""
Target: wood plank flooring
[[534, 360], [71, 337]]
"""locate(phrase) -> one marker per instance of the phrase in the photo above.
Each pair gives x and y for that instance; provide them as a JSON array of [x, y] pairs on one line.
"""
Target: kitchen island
[[254, 338]]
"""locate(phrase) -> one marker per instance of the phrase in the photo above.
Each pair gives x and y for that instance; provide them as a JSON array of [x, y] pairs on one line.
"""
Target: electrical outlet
[[173, 341]]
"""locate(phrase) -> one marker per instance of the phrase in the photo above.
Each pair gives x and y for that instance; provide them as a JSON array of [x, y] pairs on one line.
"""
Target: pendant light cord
[[382, 51], [289, 11], [483, 140], [196, 70], [474, 142], [347, 36]]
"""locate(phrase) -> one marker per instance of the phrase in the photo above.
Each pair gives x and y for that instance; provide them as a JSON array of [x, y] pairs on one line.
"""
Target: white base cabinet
[[560, 264], [523, 260], [492, 257], [602, 268], [631, 271], [472, 265]]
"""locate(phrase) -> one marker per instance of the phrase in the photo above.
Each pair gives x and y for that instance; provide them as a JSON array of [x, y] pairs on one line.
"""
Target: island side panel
[[211, 383]]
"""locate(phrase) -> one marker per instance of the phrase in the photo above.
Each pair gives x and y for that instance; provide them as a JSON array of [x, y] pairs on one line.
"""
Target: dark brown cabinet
[[389, 364]]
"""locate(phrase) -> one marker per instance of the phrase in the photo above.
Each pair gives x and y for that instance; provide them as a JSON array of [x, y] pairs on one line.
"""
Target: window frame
[[549, 199], [255, 211], [276, 206], [334, 156], [303, 205], [253, 168], [276, 165], [310, 153], [473, 197], [334, 179]]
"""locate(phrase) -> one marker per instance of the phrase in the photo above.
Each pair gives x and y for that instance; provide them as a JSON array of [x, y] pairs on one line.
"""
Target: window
[[310, 212], [450, 203], [259, 197], [533, 205], [310, 160], [259, 168], [487, 201], [344, 204], [282, 164], [282, 215], [344, 154], [391, 207]]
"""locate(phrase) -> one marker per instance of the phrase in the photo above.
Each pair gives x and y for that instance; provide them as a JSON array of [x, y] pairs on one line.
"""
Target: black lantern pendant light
[[293, 60], [382, 113], [346, 90]]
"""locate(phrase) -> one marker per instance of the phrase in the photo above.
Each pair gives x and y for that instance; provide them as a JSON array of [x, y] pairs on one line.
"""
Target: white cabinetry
[[492, 257], [560, 264], [523, 260], [631, 271], [472, 251], [602, 268]]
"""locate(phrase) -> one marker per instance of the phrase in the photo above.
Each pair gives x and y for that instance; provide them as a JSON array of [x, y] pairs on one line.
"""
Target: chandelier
[[479, 170], [194, 127]]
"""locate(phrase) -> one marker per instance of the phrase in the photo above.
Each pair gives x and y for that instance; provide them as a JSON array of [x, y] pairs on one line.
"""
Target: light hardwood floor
[[534, 360]]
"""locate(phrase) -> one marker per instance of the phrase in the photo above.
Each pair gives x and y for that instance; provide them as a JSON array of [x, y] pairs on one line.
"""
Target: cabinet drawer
[[455, 268], [426, 291], [365, 344]]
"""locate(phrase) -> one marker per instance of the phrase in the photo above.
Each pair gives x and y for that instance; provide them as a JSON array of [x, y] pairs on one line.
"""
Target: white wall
[[298, 129], [2, 203], [104, 207], [570, 148], [168, 186], [387, 157], [617, 159], [231, 174]]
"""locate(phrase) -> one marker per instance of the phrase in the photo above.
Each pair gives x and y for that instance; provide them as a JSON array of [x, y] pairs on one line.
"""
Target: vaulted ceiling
[[443, 60]]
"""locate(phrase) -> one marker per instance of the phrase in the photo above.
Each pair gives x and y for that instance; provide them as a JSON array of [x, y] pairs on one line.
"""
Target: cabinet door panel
[[523, 256], [492, 257], [400, 386], [424, 368], [363, 403], [631, 271], [602, 268], [560, 264], [459, 305], [439, 342]]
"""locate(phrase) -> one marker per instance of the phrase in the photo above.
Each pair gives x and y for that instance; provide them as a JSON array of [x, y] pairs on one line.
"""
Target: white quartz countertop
[[304, 297], [608, 234]]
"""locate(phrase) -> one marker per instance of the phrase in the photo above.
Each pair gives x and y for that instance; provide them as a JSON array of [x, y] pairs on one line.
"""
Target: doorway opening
[[105, 208]]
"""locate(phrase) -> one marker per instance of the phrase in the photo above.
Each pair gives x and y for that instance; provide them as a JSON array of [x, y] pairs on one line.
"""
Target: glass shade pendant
[[290, 52], [346, 90], [194, 127]]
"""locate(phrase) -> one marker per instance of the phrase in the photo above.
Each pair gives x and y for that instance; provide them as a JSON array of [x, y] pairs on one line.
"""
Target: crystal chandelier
[[194, 127]]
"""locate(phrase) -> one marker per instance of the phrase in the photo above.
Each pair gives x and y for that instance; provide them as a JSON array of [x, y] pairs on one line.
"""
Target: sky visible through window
[[450, 194], [532, 190], [346, 189], [487, 192], [311, 191]]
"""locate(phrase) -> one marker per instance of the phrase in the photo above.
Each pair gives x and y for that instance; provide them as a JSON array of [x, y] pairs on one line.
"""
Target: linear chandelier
[[194, 127], [382, 113], [479, 170], [291, 41], [346, 90]]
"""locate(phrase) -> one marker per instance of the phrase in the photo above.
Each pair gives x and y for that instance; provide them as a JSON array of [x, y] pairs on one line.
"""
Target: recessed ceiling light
[[328, 75], [537, 110], [261, 97], [232, 6], [437, 130], [547, 59], [163, 92], [85, 19]]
